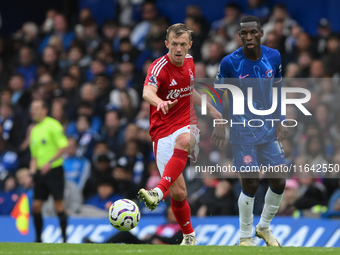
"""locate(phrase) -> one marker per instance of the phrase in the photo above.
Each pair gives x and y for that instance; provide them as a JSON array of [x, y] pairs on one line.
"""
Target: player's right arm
[[33, 166], [150, 95]]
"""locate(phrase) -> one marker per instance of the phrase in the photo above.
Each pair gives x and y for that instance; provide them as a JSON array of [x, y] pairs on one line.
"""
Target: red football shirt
[[172, 82]]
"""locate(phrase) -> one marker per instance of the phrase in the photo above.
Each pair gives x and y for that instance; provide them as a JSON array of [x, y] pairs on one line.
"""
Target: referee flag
[[21, 213]]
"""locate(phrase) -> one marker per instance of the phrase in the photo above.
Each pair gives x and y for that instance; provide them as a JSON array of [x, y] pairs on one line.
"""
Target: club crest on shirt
[[247, 159], [269, 74], [153, 79]]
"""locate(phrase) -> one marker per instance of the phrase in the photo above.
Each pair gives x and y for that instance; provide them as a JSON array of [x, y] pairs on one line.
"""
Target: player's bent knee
[[183, 143], [178, 194]]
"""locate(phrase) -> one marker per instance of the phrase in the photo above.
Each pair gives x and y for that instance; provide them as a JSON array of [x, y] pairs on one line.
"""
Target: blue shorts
[[253, 157]]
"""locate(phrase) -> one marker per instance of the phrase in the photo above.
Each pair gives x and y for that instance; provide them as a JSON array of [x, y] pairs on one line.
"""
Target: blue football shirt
[[261, 75]]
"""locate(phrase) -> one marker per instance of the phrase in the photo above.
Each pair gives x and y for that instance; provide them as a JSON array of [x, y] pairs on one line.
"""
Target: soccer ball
[[124, 215]]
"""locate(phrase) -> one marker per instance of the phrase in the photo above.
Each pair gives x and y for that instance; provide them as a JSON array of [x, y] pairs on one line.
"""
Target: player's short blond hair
[[178, 29]]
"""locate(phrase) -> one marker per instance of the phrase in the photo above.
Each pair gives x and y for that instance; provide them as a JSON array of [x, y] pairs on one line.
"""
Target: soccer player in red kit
[[169, 88]]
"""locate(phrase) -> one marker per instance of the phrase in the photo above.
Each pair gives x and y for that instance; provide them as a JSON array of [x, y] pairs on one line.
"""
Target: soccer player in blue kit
[[258, 67]]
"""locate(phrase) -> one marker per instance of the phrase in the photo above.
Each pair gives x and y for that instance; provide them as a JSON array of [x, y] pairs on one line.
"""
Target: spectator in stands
[[315, 148], [9, 161], [198, 36], [133, 160], [47, 25], [25, 184], [77, 56], [324, 31], [279, 13], [216, 53], [101, 170], [26, 66], [58, 113], [317, 70], [90, 37], [77, 169], [127, 52], [217, 200], [323, 118], [106, 195], [292, 70], [291, 194], [9, 196], [50, 61], [20, 96], [138, 34], [200, 70], [12, 126], [258, 8], [86, 109], [228, 26], [195, 11], [312, 193], [60, 30], [85, 136], [124, 179], [155, 50], [113, 130], [120, 83], [103, 88], [331, 59], [102, 148], [109, 31], [28, 35], [294, 30]]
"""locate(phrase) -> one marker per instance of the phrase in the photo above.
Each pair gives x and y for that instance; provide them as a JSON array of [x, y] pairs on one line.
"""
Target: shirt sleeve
[[153, 75], [59, 136]]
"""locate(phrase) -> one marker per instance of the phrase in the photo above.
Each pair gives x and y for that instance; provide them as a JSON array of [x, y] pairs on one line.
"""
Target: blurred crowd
[[92, 76]]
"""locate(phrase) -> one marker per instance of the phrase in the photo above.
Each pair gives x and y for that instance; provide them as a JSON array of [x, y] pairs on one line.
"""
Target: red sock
[[181, 210], [173, 169]]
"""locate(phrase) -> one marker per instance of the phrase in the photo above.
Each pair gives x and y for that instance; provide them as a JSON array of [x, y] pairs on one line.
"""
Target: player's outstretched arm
[[150, 95]]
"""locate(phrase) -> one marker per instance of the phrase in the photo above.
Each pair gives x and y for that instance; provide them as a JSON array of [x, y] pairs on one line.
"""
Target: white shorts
[[164, 147]]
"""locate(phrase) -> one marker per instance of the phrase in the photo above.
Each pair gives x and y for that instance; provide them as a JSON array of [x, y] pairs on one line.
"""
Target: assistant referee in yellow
[[47, 144]]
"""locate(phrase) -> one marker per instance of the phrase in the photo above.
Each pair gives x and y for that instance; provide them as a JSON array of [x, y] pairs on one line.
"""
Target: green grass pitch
[[110, 249]]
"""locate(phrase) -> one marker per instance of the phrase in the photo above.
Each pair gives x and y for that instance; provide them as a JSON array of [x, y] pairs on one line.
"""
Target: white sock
[[191, 234], [246, 207], [160, 193], [271, 206]]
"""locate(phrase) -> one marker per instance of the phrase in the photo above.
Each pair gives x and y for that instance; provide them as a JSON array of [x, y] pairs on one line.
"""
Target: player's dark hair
[[250, 18], [178, 29]]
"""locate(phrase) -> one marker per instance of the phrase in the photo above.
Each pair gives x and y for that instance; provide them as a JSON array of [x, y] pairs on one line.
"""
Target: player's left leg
[[56, 183], [271, 155], [59, 206], [245, 161], [181, 210], [180, 143], [176, 164]]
